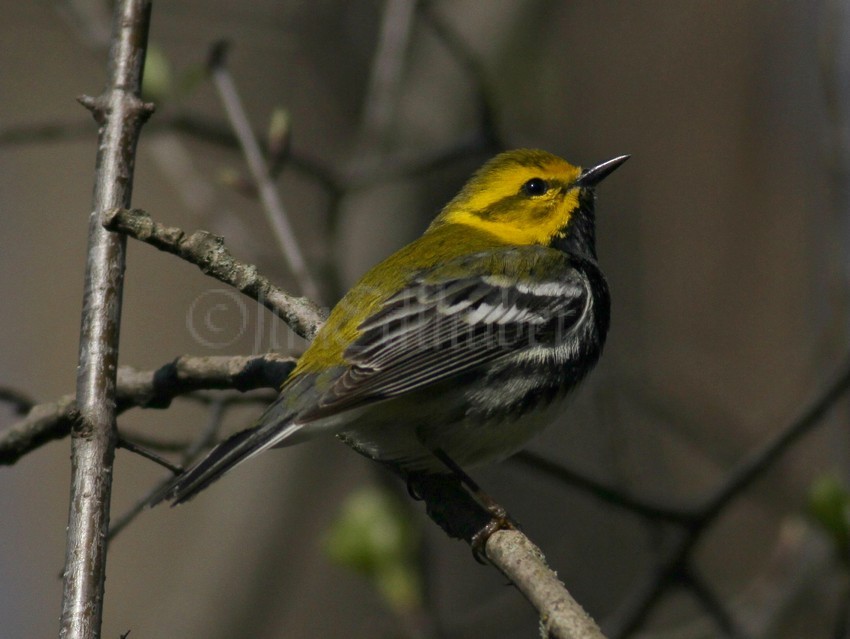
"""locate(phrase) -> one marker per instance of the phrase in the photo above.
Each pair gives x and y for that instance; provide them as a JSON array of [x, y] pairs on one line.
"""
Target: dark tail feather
[[229, 453]]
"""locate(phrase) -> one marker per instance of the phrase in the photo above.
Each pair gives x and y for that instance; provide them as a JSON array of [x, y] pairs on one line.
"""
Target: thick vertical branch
[[120, 114]]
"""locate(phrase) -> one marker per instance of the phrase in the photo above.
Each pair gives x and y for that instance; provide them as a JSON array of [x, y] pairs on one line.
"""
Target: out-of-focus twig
[[712, 604], [382, 91], [18, 400], [269, 197], [490, 138], [656, 512], [677, 559], [208, 253], [751, 468]]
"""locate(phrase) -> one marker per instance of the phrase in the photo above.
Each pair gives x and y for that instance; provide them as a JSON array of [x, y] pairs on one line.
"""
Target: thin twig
[[208, 253], [120, 523], [209, 400], [269, 197], [485, 140], [200, 128], [190, 454], [155, 443], [132, 447], [120, 113], [90, 21], [117, 525]]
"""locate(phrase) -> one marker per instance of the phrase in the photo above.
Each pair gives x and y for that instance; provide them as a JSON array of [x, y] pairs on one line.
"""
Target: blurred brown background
[[724, 242]]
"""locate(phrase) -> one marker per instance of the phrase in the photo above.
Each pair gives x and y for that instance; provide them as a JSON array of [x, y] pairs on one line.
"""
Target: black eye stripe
[[535, 186]]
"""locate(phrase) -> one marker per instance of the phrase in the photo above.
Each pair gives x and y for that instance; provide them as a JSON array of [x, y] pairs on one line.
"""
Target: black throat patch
[[579, 235]]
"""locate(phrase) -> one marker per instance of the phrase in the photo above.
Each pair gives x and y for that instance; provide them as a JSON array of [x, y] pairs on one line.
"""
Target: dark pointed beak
[[595, 174]]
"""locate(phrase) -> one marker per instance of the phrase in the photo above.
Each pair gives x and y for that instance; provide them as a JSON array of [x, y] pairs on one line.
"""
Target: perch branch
[[521, 561], [461, 516]]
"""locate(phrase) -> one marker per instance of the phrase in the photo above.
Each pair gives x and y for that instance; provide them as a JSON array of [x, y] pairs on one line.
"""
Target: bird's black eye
[[535, 186]]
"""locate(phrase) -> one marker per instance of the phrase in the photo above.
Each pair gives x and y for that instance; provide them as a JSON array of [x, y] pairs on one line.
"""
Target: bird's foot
[[500, 520]]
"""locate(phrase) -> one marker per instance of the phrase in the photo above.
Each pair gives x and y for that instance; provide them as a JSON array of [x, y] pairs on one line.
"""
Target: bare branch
[[44, 423], [156, 389], [148, 389], [208, 253], [120, 113], [561, 616], [461, 516]]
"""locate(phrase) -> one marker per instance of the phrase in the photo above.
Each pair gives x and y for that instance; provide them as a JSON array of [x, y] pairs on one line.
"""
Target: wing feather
[[439, 327]]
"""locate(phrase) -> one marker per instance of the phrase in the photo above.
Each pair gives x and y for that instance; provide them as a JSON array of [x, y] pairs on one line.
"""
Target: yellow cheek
[[524, 228]]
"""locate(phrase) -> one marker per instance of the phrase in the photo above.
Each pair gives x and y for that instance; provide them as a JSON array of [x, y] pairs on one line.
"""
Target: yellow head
[[526, 197]]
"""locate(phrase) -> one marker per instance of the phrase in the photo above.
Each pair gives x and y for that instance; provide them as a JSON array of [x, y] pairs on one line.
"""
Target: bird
[[458, 348]]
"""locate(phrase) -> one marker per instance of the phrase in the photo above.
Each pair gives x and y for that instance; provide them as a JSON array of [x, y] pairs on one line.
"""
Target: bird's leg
[[492, 506], [500, 520], [449, 504]]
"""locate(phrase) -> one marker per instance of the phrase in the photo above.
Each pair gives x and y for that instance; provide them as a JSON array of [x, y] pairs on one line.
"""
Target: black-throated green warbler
[[460, 342]]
